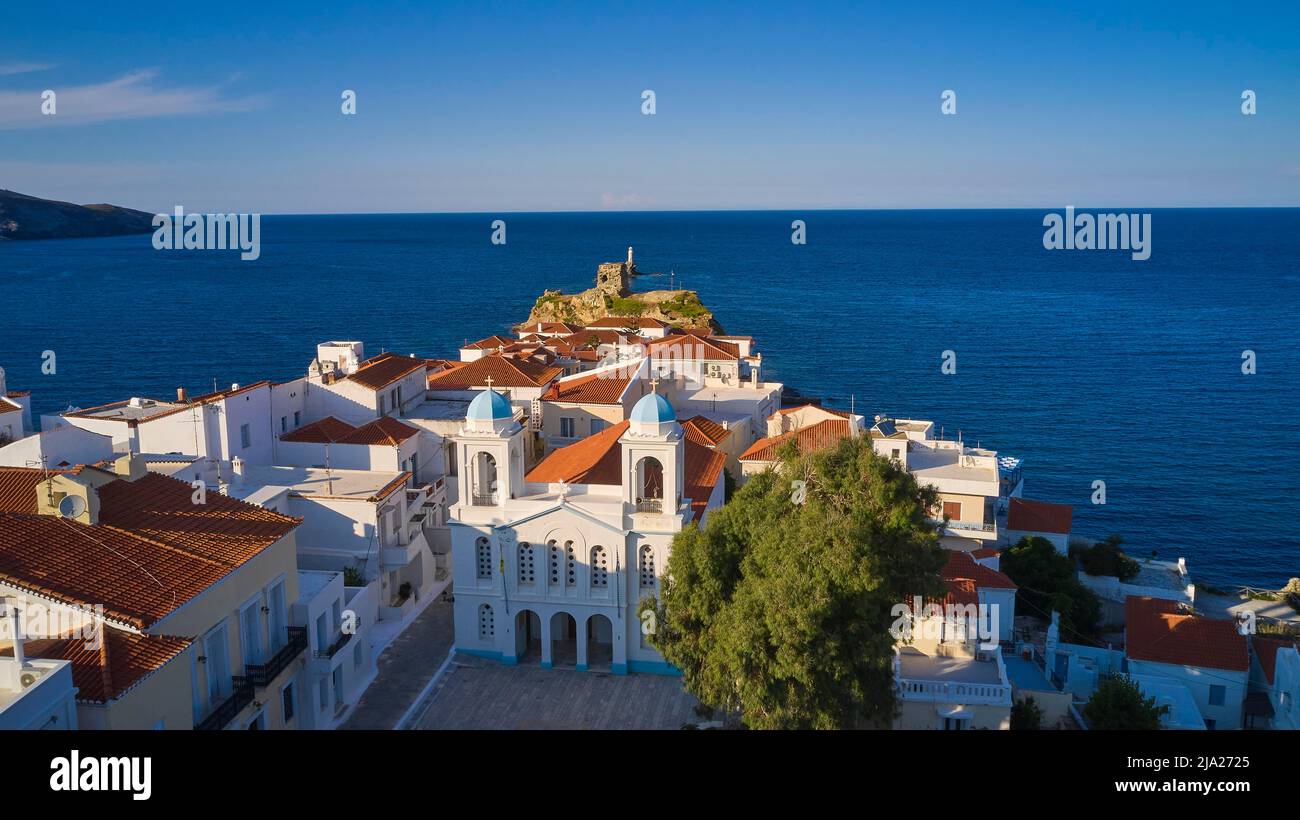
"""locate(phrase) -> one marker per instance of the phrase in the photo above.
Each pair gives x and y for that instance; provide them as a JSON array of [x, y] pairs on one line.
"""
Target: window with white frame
[[566, 427]]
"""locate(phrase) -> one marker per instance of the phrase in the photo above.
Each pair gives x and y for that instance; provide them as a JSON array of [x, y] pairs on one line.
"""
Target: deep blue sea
[[1087, 364]]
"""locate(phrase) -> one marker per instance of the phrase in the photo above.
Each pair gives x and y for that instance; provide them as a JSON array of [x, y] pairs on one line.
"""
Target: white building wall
[[1199, 681]]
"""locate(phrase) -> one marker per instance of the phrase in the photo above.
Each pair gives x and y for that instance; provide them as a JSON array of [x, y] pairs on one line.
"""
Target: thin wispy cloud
[[133, 96], [9, 69]]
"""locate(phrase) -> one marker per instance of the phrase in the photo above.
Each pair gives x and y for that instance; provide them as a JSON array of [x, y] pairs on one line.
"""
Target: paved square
[[482, 694]]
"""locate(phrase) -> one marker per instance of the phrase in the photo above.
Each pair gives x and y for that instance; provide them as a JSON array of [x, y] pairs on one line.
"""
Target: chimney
[[237, 467], [14, 617], [180, 394], [130, 466]]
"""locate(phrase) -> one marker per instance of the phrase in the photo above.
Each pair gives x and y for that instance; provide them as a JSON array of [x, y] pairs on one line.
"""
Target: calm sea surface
[[1087, 364]]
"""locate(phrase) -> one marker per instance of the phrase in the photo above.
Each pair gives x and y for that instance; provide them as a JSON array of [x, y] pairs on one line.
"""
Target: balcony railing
[[485, 499], [650, 505], [326, 654], [261, 675], [240, 696], [967, 526]]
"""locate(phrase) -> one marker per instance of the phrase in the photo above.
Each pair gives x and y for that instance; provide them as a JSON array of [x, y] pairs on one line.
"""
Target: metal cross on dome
[[488, 381], [654, 385]]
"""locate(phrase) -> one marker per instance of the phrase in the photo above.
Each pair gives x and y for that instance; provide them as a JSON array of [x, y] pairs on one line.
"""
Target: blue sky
[[488, 106]]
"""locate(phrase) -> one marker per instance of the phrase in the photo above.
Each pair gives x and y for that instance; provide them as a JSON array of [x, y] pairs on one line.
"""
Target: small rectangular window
[[245, 436], [284, 424], [566, 427], [297, 419], [286, 697], [952, 509], [1218, 694]]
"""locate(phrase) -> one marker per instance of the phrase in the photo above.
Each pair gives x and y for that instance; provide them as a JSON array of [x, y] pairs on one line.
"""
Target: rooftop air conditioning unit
[[28, 676]]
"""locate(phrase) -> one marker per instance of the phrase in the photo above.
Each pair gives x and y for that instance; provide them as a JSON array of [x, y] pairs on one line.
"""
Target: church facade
[[549, 567]]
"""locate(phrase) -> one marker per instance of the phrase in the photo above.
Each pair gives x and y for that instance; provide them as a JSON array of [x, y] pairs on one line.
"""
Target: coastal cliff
[[29, 217], [612, 296]]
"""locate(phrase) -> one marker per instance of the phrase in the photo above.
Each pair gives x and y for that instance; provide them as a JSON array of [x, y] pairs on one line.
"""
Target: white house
[[1275, 673], [223, 425], [1206, 655], [34, 693], [946, 675], [1026, 517], [340, 659], [550, 566]]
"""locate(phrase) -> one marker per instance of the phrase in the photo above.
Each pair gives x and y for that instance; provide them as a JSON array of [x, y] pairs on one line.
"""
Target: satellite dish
[[71, 506]]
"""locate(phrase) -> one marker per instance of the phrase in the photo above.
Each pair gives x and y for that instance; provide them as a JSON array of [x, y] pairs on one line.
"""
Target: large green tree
[[1049, 582], [1118, 703], [779, 610]]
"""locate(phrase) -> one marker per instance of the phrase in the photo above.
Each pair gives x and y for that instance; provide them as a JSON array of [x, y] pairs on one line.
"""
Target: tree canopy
[[780, 608], [1049, 582], [1118, 703]]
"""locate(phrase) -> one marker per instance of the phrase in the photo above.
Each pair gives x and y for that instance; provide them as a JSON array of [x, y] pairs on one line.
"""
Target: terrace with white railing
[[940, 675]]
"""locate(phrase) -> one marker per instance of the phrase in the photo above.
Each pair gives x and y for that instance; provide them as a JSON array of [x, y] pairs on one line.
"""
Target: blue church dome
[[489, 406], [653, 408]]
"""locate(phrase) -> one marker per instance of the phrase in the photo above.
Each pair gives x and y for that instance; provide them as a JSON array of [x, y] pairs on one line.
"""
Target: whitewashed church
[[550, 567]]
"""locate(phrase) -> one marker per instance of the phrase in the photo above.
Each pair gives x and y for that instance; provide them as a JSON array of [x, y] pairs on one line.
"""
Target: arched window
[[649, 485], [526, 574], [599, 567], [571, 565], [484, 478], [647, 566], [556, 559], [487, 627], [483, 557]]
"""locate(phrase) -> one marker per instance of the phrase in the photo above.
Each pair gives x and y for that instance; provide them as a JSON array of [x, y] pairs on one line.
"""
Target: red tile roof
[[819, 436], [595, 459], [126, 660], [605, 387], [702, 470], [1160, 631], [380, 371], [598, 459], [384, 430], [592, 337], [704, 431], [788, 410], [18, 489], [1027, 515], [695, 347], [324, 431], [962, 592], [621, 322], [551, 327], [505, 372], [7, 406], [962, 565], [151, 552], [490, 343], [1266, 649]]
